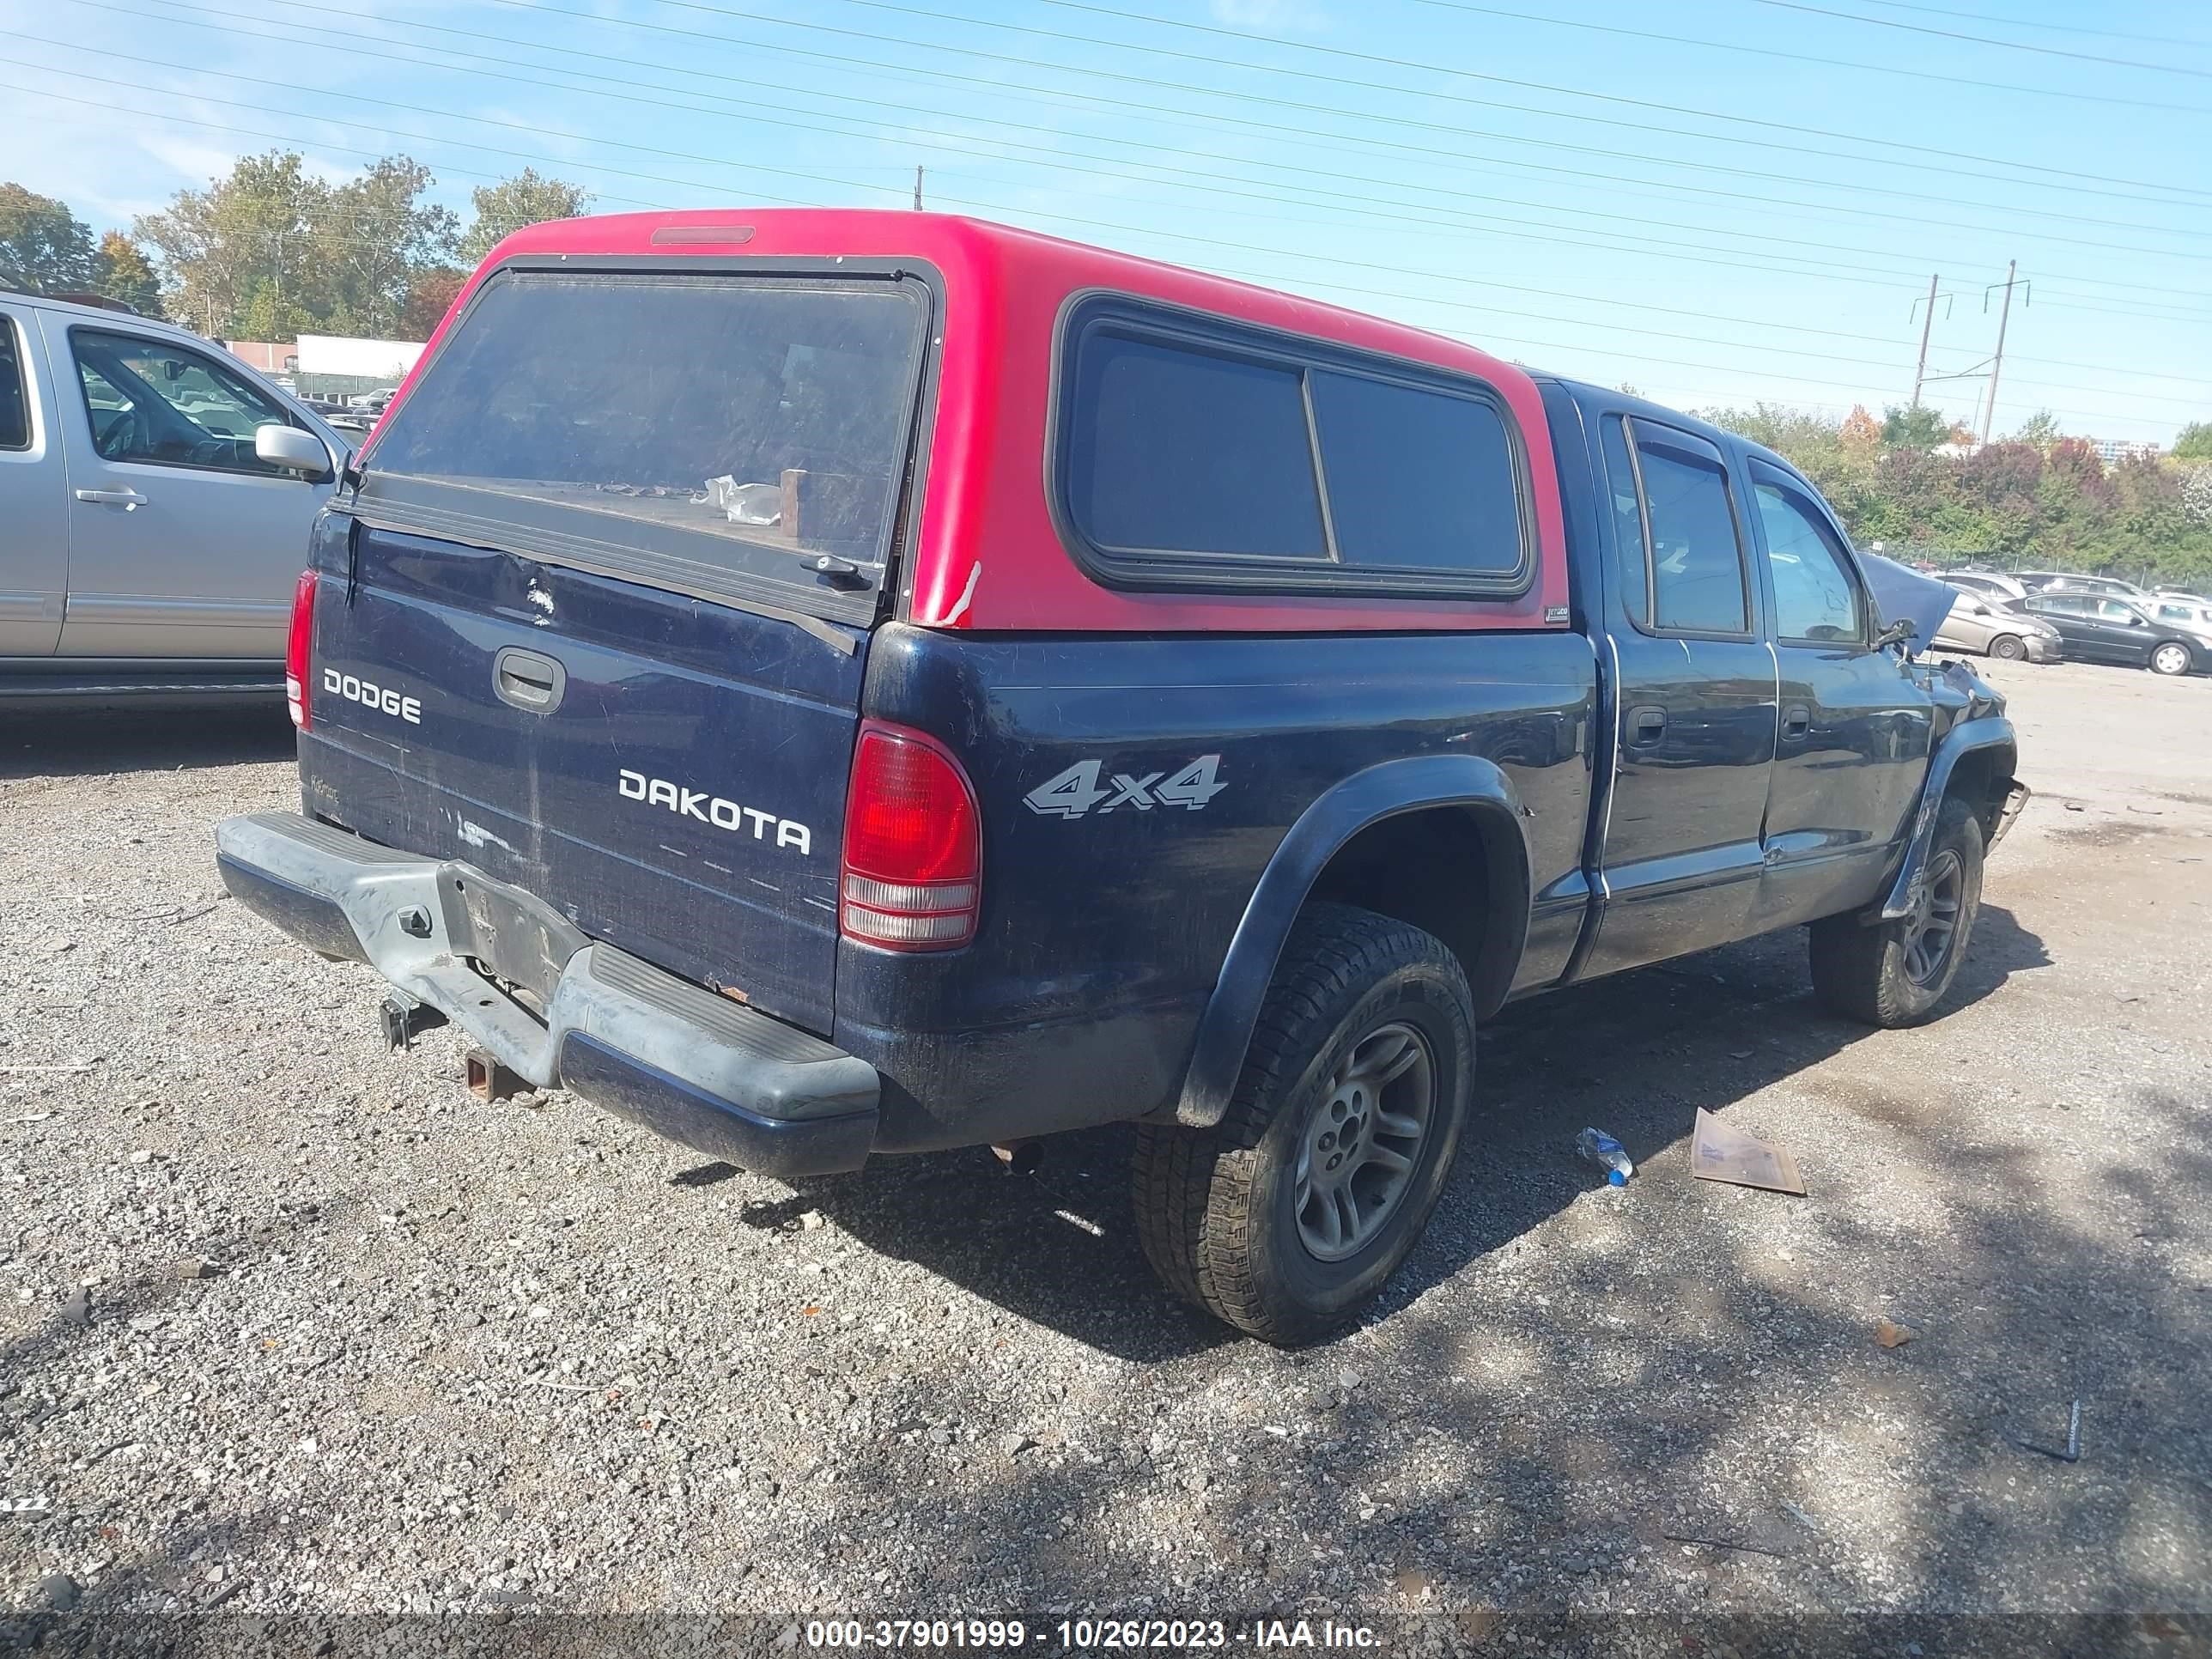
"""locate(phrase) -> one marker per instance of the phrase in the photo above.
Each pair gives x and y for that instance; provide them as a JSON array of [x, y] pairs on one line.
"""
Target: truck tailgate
[[667, 772]]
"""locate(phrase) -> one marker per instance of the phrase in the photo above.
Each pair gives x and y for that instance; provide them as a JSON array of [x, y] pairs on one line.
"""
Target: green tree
[[2040, 429], [122, 271], [43, 247], [372, 237], [528, 198], [1917, 428], [245, 240], [2195, 443]]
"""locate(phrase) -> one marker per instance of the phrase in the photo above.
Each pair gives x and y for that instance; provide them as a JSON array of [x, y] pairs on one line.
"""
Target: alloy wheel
[[1934, 923], [1363, 1143]]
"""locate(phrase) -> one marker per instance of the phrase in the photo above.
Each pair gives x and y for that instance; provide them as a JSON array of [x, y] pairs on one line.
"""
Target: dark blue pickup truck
[[832, 683]]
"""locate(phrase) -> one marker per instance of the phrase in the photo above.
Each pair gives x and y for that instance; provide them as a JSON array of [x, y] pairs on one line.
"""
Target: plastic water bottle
[[1608, 1154]]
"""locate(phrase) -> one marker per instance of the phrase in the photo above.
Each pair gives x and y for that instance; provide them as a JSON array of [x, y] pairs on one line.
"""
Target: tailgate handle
[[528, 681]]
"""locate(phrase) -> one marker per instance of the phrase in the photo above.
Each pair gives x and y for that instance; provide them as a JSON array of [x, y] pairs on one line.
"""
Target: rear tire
[[2008, 646], [1894, 974], [2170, 658], [1286, 1218]]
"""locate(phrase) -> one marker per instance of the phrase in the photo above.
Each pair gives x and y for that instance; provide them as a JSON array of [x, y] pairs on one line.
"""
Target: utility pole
[[1927, 324], [1996, 363], [917, 187]]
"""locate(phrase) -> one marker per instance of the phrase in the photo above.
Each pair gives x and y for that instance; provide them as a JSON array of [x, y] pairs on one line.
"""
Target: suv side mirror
[[292, 451], [1903, 631]]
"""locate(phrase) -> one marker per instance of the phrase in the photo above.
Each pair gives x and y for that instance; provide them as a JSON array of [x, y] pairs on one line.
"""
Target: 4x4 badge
[[1077, 791]]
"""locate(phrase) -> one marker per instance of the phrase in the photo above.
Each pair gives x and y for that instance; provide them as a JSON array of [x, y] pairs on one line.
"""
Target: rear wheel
[[2172, 657], [2009, 647], [1287, 1217], [1894, 973]]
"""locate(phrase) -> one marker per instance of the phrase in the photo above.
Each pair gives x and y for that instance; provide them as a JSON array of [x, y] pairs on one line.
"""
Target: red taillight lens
[[913, 877], [298, 647]]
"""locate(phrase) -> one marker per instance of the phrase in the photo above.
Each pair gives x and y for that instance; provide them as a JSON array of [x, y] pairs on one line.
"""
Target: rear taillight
[[297, 647], [912, 874]]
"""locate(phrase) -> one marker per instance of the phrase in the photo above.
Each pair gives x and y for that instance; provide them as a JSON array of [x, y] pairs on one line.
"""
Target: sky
[[1718, 204]]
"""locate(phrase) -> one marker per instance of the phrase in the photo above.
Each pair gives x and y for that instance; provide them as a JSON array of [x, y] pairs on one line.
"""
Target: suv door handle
[[1646, 725], [1796, 721], [125, 499]]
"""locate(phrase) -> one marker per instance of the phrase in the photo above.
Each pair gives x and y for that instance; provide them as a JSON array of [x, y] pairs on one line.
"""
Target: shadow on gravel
[[1433, 1489], [1635, 1056], [1057, 1246], [90, 744]]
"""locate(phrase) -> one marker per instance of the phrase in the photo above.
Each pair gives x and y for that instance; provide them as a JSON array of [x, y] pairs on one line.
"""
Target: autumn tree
[[43, 247], [122, 271], [528, 198]]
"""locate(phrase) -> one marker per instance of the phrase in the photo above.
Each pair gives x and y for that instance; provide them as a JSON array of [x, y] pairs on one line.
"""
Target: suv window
[[15, 394], [1197, 454], [151, 401], [1694, 569], [1816, 597]]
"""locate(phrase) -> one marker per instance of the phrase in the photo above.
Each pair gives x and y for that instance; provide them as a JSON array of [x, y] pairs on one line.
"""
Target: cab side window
[[1681, 559], [14, 395], [1816, 594], [153, 401]]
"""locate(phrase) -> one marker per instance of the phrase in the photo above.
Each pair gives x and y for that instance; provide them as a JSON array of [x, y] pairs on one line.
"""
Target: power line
[[257, 81], [1058, 159], [1490, 342], [1824, 63], [746, 114], [939, 16], [1825, 273], [2097, 185], [1987, 40], [2037, 23]]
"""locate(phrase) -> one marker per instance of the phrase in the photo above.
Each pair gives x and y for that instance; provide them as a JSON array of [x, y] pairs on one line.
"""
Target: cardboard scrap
[[1718, 1153]]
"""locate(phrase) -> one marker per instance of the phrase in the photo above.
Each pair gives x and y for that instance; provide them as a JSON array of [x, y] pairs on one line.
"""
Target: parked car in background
[[2063, 581], [156, 495], [2193, 614], [1993, 629], [2181, 595], [2098, 629], [1990, 584]]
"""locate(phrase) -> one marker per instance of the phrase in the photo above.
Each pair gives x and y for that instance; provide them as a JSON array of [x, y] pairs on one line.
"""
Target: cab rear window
[[1193, 454], [722, 434]]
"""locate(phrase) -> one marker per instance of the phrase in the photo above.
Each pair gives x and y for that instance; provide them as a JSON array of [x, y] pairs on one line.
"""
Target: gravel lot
[[292, 1324]]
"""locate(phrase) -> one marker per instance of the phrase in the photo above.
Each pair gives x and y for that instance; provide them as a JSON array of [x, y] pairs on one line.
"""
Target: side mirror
[[292, 451], [1903, 631]]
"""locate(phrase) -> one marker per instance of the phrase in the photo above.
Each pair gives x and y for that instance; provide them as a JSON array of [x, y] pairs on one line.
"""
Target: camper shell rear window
[[734, 436], [1192, 452]]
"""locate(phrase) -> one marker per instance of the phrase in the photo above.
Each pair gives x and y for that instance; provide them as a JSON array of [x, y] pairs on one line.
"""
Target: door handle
[[1796, 721], [528, 681], [1646, 725], [125, 499]]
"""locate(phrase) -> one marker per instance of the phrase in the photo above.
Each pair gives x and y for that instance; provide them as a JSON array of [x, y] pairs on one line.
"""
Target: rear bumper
[[621, 1033]]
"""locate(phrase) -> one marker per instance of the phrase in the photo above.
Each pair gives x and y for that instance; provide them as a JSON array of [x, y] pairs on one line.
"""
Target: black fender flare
[[1968, 736], [1366, 798]]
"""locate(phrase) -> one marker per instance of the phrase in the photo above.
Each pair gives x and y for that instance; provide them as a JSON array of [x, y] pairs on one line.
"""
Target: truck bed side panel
[[1105, 928]]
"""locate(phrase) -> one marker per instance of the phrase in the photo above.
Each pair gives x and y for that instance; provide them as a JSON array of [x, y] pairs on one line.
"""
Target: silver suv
[[157, 494]]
